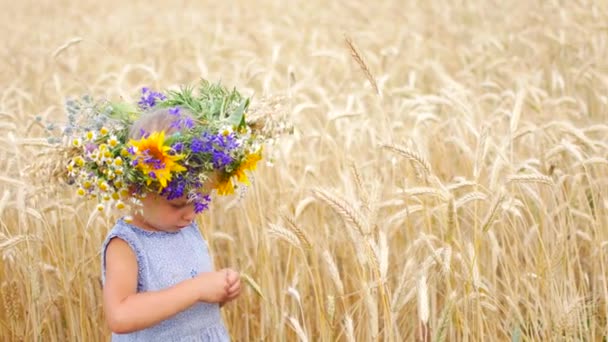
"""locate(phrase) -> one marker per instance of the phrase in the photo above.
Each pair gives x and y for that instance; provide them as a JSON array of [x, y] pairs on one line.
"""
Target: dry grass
[[468, 202]]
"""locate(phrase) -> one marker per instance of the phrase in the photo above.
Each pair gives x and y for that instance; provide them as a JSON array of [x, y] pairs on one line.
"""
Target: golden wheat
[[484, 221]]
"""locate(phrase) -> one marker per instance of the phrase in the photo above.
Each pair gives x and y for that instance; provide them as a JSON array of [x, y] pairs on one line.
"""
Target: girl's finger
[[235, 288], [234, 276], [234, 295]]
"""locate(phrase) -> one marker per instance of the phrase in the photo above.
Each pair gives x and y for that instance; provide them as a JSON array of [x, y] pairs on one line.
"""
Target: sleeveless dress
[[165, 259]]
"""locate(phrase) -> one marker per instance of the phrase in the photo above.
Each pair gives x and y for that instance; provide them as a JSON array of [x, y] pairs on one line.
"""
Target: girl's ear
[[211, 182]]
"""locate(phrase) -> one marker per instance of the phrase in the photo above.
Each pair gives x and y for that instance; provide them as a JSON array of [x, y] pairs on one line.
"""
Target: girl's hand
[[214, 287], [233, 279]]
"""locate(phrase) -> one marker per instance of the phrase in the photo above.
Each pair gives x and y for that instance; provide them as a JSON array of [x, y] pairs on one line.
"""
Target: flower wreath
[[209, 136]]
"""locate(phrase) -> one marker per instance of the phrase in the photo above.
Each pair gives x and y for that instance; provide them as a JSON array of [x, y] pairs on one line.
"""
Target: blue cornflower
[[175, 188], [183, 121], [201, 203], [178, 147], [220, 159], [227, 142], [143, 133], [149, 98], [197, 146]]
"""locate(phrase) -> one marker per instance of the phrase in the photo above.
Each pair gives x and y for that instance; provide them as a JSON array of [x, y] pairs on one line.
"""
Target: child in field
[[159, 282], [159, 278]]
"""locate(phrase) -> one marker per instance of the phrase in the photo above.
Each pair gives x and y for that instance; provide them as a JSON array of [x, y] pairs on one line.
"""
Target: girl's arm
[[127, 311]]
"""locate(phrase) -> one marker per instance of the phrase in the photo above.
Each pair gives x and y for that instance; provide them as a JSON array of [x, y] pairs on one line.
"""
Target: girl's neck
[[140, 222]]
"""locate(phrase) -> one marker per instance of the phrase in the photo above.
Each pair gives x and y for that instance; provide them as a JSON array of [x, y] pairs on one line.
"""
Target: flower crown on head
[[174, 144]]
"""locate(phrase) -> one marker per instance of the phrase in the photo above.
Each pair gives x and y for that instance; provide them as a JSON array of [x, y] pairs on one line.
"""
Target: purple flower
[[178, 147], [201, 203], [90, 147], [227, 142], [149, 98], [200, 146], [183, 121], [220, 159], [175, 188], [143, 133], [187, 122], [174, 111]]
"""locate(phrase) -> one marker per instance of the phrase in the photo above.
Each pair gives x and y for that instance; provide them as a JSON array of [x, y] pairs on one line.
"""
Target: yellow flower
[[250, 163], [79, 161], [117, 161], [81, 192], [103, 186], [87, 184], [76, 142], [153, 158], [120, 205], [225, 187], [115, 196], [113, 141], [90, 136], [100, 207], [103, 131], [124, 193]]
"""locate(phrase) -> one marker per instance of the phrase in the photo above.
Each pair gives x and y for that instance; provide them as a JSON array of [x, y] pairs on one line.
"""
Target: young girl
[[159, 282], [166, 156]]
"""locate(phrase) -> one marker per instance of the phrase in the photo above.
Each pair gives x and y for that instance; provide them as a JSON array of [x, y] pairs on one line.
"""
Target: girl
[[166, 155], [159, 282]]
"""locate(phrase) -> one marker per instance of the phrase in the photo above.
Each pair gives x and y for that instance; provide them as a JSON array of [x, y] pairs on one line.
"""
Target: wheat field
[[446, 178]]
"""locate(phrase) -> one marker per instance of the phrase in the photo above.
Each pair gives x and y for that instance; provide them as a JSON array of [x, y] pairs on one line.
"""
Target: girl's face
[[160, 214]]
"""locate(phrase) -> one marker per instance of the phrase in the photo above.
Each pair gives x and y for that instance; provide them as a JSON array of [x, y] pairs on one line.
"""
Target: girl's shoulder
[[123, 231], [196, 233]]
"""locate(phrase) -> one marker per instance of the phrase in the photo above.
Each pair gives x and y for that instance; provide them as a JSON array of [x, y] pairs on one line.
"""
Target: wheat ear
[[357, 57]]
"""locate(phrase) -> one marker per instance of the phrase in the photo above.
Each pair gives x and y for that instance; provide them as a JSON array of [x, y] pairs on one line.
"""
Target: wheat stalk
[[66, 45], [537, 178], [348, 328], [410, 155], [361, 191], [423, 305], [424, 191], [253, 284], [444, 321], [492, 213], [304, 240], [372, 310], [295, 325], [330, 308], [357, 57], [284, 234], [344, 209], [333, 272]]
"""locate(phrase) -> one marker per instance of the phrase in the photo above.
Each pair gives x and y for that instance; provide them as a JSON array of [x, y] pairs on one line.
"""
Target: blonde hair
[[160, 120]]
